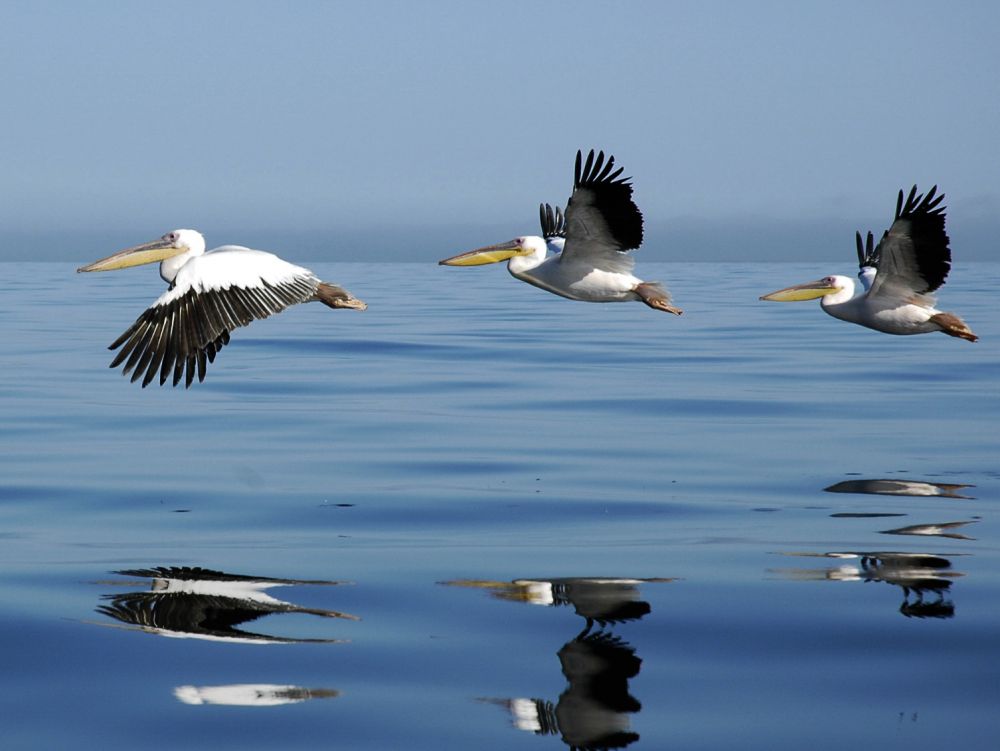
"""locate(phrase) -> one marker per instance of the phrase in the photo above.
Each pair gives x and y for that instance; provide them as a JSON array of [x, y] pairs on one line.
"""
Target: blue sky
[[386, 129]]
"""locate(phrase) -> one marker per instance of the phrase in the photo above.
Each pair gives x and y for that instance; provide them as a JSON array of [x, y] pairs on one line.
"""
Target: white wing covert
[[212, 294]]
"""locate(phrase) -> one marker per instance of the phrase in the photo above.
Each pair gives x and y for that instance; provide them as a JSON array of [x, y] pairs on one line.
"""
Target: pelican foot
[[656, 297]]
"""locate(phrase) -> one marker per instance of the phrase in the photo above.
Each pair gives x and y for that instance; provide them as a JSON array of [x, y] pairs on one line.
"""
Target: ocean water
[[480, 516]]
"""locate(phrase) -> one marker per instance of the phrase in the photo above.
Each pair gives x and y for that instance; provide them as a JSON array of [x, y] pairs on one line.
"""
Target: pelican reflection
[[250, 694], [197, 603], [901, 487], [925, 578], [593, 710], [943, 529]]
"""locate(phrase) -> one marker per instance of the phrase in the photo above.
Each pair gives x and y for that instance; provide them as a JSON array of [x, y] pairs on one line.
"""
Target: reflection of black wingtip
[[942, 609]]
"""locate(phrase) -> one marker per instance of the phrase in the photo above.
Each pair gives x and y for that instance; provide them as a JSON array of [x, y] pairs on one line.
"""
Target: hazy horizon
[[257, 123]]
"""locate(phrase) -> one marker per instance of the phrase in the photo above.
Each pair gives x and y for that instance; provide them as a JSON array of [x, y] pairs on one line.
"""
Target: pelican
[[912, 260], [210, 294], [601, 224]]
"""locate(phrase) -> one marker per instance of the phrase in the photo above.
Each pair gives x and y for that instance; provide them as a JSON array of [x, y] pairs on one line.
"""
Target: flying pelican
[[912, 260], [601, 224], [210, 294]]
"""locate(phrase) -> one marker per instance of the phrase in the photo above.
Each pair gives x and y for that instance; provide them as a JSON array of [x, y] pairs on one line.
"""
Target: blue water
[[499, 519]]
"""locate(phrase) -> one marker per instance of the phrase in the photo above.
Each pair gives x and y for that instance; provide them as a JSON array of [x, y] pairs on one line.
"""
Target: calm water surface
[[480, 516]]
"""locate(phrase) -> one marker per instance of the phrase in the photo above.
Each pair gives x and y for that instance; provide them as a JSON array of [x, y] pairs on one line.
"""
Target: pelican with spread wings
[[209, 295], [601, 224], [911, 262]]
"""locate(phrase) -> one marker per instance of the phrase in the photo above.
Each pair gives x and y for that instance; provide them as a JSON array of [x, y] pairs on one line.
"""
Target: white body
[[883, 312], [573, 277], [225, 267]]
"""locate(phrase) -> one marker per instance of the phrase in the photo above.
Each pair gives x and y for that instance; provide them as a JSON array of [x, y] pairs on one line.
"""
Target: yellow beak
[[489, 254], [150, 252], [806, 291]]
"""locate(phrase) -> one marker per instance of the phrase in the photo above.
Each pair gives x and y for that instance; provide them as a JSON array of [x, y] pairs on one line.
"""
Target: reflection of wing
[[200, 603], [900, 487], [913, 255], [602, 220], [602, 601], [945, 529], [917, 574], [593, 710], [193, 615]]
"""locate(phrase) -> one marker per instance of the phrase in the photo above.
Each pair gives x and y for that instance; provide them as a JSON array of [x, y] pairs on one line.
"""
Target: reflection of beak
[[151, 252], [489, 254], [807, 291]]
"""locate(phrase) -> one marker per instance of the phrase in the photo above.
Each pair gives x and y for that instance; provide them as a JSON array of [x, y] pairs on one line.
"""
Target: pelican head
[[519, 246], [172, 244], [828, 285]]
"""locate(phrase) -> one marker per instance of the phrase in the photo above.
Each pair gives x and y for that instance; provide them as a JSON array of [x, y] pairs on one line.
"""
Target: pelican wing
[[602, 220], [867, 256], [913, 255], [213, 294], [552, 221]]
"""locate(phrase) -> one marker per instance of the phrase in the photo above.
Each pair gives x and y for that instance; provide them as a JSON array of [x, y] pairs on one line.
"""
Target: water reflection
[[593, 711], [944, 529], [924, 578], [197, 603], [901, 487], [251, 694]]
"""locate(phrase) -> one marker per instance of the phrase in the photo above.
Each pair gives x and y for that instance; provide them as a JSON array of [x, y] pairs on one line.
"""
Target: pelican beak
[[150, 252], [807, 291], [489, 254]]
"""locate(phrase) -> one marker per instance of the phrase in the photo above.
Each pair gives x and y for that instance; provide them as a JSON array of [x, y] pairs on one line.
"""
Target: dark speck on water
[[706, 569]]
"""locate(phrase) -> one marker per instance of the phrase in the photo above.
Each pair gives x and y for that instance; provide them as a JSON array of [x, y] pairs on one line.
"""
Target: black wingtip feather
[[920, 219], [551, 220], [918, 203], [596, 171], [611, 194]]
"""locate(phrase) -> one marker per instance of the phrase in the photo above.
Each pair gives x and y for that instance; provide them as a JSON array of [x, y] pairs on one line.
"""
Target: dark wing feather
[[552, 221], [867, 257], [602, 220], [913, 256], [178, 335]]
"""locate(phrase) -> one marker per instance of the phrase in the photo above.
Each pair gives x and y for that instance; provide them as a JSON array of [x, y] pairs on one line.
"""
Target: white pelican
[[210, 294], [602, 223], [912, 259]]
